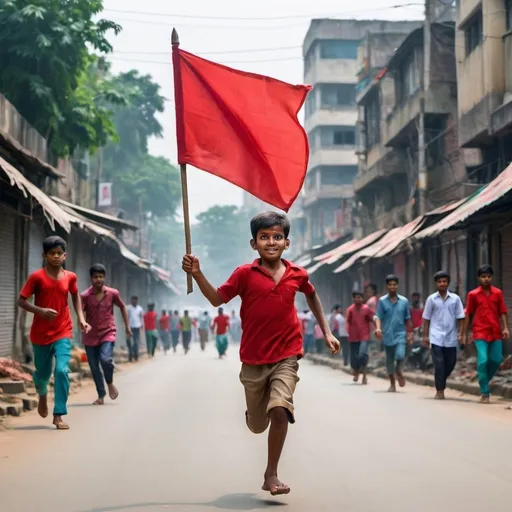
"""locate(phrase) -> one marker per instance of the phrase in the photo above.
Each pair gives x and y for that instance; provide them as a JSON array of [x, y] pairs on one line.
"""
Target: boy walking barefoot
[[487, 310], [98, 302], [271, 343], [52, 328], [392, 320]]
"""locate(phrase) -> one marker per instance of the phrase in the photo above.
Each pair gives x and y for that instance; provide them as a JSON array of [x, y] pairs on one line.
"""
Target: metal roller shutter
[[506, 267], [7, 283], [35, 247]]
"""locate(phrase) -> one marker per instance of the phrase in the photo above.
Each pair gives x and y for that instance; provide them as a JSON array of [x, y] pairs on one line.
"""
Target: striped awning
[[498, 188]]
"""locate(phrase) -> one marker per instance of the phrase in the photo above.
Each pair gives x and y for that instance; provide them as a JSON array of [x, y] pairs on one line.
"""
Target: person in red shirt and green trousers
[[486, 309], [151, 330], [272, 344], [52, 329], [220, 326]]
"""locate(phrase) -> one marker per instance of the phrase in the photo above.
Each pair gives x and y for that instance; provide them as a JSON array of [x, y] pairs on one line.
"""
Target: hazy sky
[[144, 44]]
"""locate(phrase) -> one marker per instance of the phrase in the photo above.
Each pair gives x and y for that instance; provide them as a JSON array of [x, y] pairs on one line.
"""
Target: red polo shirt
[[271, 328], [359, 321], [150, 321], [486, 310], [222, 324]]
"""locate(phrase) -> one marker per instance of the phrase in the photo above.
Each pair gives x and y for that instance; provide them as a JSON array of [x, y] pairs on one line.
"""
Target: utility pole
[[99, 175], [425, 85]]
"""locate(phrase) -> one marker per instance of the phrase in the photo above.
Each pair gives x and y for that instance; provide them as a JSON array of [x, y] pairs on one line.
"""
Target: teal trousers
[[489, 355]]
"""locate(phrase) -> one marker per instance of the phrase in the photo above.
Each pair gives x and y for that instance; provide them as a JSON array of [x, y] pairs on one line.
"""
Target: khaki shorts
[[268, 386]]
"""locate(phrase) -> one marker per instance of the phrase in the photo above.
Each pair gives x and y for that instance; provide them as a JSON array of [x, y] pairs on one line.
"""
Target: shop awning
[[52, 211], [498, 188], [165, 277], [345, 249], [387, 244]]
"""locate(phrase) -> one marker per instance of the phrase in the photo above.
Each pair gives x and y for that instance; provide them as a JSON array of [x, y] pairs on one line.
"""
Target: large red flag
[[241, 127]]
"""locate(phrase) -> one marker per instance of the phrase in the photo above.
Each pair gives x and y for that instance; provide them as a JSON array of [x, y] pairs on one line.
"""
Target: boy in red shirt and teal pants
[[487, 310], [272, 342], [52, 328]]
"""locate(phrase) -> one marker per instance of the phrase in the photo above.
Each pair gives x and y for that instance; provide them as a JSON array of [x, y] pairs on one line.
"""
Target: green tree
[[44, 52]]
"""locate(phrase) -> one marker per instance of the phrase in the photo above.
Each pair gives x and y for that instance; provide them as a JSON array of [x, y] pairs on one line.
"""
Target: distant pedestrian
[[416, 312], [372, 299], [443, 326], [175, 330], [235, 327], [52, 329], [308, 332], [220, 327], [359, 323], [186, 331], [205, 324], [319, 337], [487, 311], [341, 324], [135, 315], [98, 303], [164, 327], [271, 339], [151, 330], [393, 319]]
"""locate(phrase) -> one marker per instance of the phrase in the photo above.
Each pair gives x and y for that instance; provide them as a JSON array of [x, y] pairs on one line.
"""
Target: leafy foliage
[[44, 64]]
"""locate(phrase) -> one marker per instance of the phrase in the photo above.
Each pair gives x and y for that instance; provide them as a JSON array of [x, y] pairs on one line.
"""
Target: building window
[[473, 31], [310, 106], [408, 77], [372, 121], [337, 95], [508, 11], [338, 49], [332, 137], [310, 58], [337, 174]]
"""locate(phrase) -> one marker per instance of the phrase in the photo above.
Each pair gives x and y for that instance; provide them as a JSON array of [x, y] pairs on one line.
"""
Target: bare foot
[[365, 380], [485, 399], [401, 379], [356, 376], [274, 486], [42, 406], [99, 401], [57, 421], [392, 389], [113, 393]]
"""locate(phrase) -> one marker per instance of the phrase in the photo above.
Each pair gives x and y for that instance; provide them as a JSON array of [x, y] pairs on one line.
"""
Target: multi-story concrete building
[[330, 52]]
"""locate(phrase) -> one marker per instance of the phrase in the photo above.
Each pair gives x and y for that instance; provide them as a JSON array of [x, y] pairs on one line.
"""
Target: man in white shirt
[[442, 328], [339, 328], [135, 313]]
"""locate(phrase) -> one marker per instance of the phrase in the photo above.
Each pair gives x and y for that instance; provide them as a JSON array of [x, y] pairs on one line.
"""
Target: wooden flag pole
[[175, 41]]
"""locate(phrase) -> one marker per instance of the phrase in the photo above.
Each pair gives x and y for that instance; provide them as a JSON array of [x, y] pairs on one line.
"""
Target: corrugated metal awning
[[52, 211], [384, 246], [499, 187]]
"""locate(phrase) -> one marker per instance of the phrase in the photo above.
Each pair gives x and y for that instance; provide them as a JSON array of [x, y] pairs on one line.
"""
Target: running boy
[[359, 323], [486, 308], [221, 326], [164, 325], [52, 328], [98, 303], [443, 322], [392, 319], [271, 343], [150, 329]]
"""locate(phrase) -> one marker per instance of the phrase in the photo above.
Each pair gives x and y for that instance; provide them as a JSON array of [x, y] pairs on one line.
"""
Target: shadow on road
[[87, 404], [242, 501], [34, 427]]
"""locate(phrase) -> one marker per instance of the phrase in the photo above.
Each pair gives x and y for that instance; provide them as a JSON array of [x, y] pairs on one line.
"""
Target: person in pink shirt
[[359, 322], [98, 303]]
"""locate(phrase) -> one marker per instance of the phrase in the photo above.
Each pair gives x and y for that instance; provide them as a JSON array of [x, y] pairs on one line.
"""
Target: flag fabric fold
[[242, 127]]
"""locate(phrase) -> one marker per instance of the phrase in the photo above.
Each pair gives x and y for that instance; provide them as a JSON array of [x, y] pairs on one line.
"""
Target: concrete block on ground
[[14, 409], [12, 387]]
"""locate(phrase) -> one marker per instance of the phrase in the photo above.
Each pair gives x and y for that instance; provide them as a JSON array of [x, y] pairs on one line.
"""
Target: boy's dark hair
[[442, 274], [52, 242], [97, 268], [164, 311], [176, 312], [392, 277], [267, 220], [134, 297], [373, 287], [335, 307], [485, 269], [151, 306], [416, 294], [357, 294]]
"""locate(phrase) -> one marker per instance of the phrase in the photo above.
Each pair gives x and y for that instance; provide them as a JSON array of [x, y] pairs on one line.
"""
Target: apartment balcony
[[440, 99], [501, 118], [331, 117], [324, 192], [332, 156], [332, 71]]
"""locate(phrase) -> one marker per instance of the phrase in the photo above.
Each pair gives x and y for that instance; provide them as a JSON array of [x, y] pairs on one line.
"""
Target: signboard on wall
[[105, 194]]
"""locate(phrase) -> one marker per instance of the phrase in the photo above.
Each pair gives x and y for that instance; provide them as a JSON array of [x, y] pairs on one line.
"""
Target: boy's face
[[392, 287], [442, 284], [358, 300], [134, 302], [485, 280], [98, 280], [270, 243], [55, 257]]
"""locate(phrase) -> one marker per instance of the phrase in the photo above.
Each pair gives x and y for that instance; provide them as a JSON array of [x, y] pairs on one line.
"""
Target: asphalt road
[[176, 440]]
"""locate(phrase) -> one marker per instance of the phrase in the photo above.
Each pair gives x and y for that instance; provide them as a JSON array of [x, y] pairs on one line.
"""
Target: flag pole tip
[[175, 38]]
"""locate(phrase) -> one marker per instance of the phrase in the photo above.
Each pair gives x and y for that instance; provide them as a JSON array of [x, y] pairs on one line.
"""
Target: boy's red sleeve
[[73, 286], [117, 300], [305, 286], [29, 287], [502, 306], [233, 286], [470, 305]]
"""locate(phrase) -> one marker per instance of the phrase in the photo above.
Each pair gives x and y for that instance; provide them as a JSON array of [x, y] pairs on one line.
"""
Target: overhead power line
[[168, 63], [250, 50]]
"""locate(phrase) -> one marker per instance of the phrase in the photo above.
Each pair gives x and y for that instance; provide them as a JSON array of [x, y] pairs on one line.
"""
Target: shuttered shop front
[[35, 247], [8, 290]]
